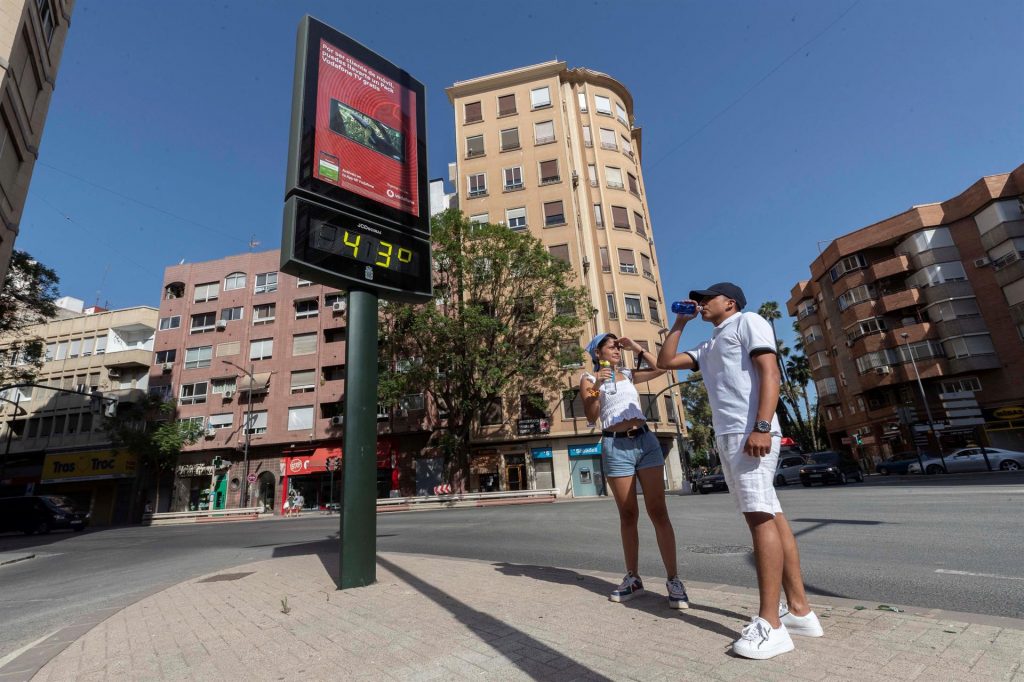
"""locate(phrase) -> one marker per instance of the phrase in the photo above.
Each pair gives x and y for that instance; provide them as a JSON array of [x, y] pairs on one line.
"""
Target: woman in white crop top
[[630, 451]]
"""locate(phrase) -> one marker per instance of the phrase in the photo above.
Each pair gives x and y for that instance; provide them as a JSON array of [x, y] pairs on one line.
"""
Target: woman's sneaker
[[630, 587], [760, 640], [677, 598], [805, 626]]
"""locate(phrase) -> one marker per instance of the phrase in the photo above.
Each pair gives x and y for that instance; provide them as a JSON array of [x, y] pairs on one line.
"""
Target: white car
[[788, 470], [971, 459]]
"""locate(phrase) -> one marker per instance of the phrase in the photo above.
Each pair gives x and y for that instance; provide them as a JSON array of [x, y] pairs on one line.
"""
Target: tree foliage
[[26, 299], [698, 417], [506, 316], [148, 430]]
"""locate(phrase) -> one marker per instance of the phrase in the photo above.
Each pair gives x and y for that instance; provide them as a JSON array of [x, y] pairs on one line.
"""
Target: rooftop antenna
[[253, 242], [103, 280]]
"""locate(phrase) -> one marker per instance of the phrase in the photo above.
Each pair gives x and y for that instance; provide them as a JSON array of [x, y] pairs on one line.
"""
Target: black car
[[830, 467], [897, 464], [712, 482], [40, 514]]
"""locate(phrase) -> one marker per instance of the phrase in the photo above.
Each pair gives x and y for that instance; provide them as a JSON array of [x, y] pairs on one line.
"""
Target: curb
[[26, 557]]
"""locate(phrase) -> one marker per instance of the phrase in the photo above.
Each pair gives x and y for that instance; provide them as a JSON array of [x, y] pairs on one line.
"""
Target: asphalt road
[[951, 542]]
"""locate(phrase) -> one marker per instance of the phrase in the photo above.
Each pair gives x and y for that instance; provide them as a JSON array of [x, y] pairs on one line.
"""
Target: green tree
[[26, 299], [506, 317], [698, 419]]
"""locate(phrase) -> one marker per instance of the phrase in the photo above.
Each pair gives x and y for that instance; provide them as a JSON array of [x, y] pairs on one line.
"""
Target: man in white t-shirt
[[740, 370]]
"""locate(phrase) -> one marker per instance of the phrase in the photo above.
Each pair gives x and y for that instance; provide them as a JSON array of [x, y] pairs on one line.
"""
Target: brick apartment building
[[239, 342], [554, 151], [940, 285]]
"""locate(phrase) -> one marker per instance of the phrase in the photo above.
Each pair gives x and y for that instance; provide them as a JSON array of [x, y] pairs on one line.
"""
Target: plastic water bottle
[[612, 388], [684, 308]]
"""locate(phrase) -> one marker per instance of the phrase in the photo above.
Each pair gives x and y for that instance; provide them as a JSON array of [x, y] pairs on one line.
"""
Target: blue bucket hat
[[595, 343]]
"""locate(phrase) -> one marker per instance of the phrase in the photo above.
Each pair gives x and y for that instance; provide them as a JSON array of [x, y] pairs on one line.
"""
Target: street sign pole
[[359, 466]]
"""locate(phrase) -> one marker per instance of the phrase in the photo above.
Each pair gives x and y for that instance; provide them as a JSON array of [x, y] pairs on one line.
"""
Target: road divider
[[205, 516], [454, 500]]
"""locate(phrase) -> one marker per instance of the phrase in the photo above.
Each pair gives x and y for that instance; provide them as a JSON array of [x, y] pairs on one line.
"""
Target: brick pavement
[[433, 618]]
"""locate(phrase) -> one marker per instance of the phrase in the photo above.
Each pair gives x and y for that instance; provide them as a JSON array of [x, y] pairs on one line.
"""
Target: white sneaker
[[805, 626], [677, 598], [630, 587], [760, 640]]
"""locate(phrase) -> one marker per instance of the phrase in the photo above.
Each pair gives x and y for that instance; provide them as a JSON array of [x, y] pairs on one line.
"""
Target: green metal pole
[[359, 463]]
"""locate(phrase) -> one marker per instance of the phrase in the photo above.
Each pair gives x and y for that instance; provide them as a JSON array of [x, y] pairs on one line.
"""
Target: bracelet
[[594, 393]]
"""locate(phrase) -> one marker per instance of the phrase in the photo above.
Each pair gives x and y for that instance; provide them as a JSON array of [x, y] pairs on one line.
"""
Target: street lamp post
[[924, 399], [244, 502]]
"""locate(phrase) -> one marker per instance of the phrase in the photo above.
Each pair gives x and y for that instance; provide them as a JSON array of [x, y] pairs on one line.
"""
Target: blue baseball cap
[[595, 343]]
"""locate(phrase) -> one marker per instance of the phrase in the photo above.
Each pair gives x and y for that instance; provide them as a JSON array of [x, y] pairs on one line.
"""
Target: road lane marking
[[979, 575], [18, 652]]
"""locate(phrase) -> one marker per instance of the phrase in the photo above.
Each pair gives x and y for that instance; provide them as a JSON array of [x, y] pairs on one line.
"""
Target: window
[[266, 283], [560, 252], [572, 405], [474, 112], [304, 282], [220, 421], [477, 183], [516, 218], [641, 224], [670, 410], [261, 349], [819, 360], [193, 394], [172, 322], [645, 266], [491, 414], [606, 265], [848, 264], [592, 174], [196, 358], [303, 380], [613, 176], [411, 402], [650, 407], [634, 308], [222, 385], [509, 139], [925, 240], [813, 334], [637, 357], [554, 214], [474, 146], [865, 292], [203, 322], [229, 348], [861, 328], [549, 172], [304, 344], [309, 307], [75, 349], [939, 273], [62, 350], [826, 386], [634, 185], [540, 98], [602, 105], [608, 139], [513, 178], [652, 307], [805, 308], [598, 216], [997, 213], [581, 97], [506, 105], [961, 384], [206, 292], [300, 418], [613, 311], [165, 356], [588, 140], [627, 146], [229, 314], [620, 217], [969, 346], [331, 299], [569, 354], [620, 113], [334, 335], [236, 280], [257, 422], [262, 314], [479, 218], [544, 132]]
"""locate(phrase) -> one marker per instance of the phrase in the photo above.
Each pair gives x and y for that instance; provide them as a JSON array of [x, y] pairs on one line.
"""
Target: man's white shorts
[[751, 480]]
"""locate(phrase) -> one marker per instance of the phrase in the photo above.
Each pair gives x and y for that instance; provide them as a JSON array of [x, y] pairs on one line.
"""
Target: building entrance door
[[515, 474], [586, 476]]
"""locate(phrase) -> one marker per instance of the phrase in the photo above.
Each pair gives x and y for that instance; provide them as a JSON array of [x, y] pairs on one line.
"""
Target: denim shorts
[[624, 456]]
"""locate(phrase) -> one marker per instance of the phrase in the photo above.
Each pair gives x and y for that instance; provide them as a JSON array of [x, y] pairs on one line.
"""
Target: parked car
[[830, 467], [788, 470], [971, 459], [40, 514], [897, 464], [712, 482]]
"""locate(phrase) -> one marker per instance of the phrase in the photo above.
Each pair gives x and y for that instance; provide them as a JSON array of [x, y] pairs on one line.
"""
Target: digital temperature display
[[359, 243]]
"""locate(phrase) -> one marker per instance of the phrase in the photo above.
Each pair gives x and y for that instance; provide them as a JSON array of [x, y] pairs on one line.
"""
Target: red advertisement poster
[[365, 132]]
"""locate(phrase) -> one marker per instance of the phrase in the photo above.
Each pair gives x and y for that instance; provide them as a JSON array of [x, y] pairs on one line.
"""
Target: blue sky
[[768, 127]]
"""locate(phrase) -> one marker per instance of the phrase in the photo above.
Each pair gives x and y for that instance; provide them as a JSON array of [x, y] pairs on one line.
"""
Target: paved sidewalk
[[448, 619]]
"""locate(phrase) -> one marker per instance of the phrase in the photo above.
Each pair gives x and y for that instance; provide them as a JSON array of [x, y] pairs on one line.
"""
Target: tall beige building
[[554, 151], [32, 36]]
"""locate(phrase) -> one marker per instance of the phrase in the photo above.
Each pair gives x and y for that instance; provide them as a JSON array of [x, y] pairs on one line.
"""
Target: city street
[[945, 542]]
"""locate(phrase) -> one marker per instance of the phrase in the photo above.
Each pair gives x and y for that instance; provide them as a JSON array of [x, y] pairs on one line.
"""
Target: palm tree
[[769, 310]]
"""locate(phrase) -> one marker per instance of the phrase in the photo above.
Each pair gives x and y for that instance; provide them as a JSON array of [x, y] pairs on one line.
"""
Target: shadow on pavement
[[651, 603], [13, 542], [504, 638], [948, 480]]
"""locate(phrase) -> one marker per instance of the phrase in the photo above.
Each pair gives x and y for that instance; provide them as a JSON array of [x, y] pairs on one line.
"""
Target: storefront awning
[[259, 383]]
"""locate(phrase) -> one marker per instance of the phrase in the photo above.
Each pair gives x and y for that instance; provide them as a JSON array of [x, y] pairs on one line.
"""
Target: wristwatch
[[762, 426]]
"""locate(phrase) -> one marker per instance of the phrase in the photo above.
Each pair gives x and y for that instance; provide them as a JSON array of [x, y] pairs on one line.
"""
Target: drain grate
[[719, 549], [225, 577]]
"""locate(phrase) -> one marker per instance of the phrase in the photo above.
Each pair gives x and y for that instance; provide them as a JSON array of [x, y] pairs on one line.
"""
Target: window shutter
[[474, 112], [605, 264], [304, 344], [548, 171], [305, 377], [626, 257], [506, 105], [620, 217], [510, 138], [561, 252], [553, 210]]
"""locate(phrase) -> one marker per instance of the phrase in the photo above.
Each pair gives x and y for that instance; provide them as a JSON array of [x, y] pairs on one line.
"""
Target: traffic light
[[858, 439]]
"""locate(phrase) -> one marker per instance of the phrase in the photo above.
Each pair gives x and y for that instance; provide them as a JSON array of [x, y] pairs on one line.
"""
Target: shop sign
[[1009, 413], [541, 453], [525, 427], [590, 450], [93, 465], [188, 470]]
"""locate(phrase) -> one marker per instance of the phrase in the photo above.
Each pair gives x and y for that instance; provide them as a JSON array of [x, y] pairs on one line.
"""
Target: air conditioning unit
[[210, 431], [167, 367], [337, 420], [222, 324], [228, 395], [113, 373], [339, 306], [886, 369], [982, 262]]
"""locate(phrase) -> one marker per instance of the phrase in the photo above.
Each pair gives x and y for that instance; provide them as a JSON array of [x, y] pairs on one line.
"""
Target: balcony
[[1011, 272], [974, 363], [852, 280], [959, 326], [799, 293], [869, 343], [890, 267], [947, 290], [858, 311], [1001, 233], [897, 374], [908, 298], [829, 399], [915, 334], [127, 395], [135, 357]]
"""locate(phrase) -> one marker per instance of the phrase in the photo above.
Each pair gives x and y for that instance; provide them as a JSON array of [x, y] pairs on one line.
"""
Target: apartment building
[[936, 291], [554, 151], [57, 442], [253, 354], [32, 34]]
